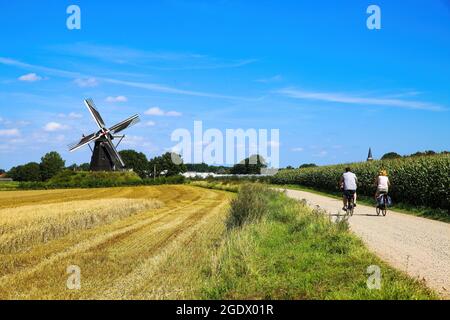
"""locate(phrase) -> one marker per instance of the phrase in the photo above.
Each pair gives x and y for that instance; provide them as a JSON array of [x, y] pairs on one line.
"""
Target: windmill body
[[104, 155]]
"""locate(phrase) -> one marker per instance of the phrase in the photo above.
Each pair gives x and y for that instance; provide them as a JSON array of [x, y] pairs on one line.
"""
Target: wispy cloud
[[91, 81], [71, 115], [352, 99], [276, 78], [165, 60], [30, 77], [298, 149], [86, 82], [116, 99], [9, 133], [155, 111]]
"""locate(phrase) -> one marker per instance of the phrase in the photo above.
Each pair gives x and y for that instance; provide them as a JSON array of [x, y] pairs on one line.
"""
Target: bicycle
[[350, 203], [382, 207]]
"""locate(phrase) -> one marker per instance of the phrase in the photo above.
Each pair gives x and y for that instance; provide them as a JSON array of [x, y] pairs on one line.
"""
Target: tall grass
[[26, 226], [288, 251]]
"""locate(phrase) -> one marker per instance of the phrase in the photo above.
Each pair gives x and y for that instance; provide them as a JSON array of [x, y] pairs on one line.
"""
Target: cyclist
[[348, 184], [382, 182]]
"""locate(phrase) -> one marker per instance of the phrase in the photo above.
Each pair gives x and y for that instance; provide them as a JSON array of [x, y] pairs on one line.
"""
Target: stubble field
[[128, 243]]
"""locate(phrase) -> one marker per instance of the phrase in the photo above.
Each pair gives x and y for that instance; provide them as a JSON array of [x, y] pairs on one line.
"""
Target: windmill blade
[[95, 114], [84, 141], [124, 124], [115, 156]]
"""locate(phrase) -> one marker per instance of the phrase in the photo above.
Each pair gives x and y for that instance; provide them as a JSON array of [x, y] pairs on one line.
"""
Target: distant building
[[369, 156]]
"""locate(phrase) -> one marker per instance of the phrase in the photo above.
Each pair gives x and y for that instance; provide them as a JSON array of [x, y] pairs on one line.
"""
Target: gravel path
[[418, 246]]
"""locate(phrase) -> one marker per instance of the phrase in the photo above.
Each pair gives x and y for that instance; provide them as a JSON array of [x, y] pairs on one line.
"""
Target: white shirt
[[383, 182], [349, 181]]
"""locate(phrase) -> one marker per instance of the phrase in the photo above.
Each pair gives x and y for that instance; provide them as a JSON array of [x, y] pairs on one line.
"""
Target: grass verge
[[277, 248], [8, 185]]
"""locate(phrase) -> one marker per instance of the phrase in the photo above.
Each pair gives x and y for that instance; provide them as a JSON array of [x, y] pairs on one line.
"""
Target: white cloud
[[54, 126], [139, 142], [299, 149], [86, 82], [117, 99], [9, 132], [173, 114], [350, 99], [150, 124], [30, 77], [155, 111], [72, 115]]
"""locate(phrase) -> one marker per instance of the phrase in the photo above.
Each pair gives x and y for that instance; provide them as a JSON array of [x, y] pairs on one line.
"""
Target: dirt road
[[156, 254], [418, 246]]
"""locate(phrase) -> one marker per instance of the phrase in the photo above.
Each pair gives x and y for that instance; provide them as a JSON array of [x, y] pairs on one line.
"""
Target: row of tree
[[51, 164], [203, 167], [395, 155], [168, 164]]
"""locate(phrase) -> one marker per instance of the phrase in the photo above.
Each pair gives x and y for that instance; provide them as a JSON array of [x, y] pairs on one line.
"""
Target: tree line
[[164, 165], [52, 163]]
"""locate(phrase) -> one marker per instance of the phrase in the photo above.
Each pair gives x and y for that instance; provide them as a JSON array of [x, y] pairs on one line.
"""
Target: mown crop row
[[421, 181]]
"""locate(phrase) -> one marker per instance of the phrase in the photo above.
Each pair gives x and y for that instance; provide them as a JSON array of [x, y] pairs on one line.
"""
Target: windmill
[[104, 155]]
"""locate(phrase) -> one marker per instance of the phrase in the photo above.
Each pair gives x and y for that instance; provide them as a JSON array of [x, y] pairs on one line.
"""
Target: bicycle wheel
[[384, 208], [350, 209]]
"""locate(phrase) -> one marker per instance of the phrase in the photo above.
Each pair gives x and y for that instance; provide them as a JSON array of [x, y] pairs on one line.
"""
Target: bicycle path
[[418, 246]]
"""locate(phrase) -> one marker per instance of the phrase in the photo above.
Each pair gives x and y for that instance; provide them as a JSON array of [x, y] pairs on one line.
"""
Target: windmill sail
[[113, 153], [84, 141], [124, 124], [95, 114]]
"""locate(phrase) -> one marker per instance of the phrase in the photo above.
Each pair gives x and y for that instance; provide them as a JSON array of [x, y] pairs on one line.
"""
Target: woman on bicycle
[[382, 182]]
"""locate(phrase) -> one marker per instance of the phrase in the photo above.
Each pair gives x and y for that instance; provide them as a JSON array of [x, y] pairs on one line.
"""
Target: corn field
[[419, 181]]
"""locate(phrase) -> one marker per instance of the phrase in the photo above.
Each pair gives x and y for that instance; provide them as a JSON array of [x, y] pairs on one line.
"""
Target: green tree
[[425, 153], [390, 155], [28, 172], [307, 165], [84, 167], [72, 167], [250, 165], [136, 161], [51, 164], [168, 164]]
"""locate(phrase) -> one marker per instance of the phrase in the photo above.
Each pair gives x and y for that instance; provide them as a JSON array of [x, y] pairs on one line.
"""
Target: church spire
[[369, 156]]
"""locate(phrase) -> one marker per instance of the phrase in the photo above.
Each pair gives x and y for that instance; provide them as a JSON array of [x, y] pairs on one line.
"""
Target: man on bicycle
[[348, 184]]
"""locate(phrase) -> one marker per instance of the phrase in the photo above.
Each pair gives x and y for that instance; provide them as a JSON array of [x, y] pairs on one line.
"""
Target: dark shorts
[[349, 193]]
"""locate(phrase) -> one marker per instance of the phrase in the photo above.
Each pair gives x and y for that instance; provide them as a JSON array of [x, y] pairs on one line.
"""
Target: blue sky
[[311, 69]]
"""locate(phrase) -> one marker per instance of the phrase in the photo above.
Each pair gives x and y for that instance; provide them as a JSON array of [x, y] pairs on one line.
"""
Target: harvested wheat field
[[129, 243]]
